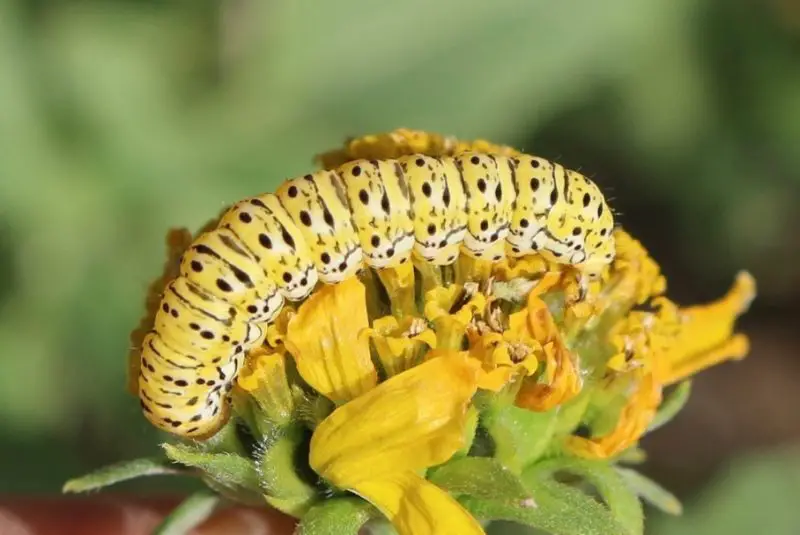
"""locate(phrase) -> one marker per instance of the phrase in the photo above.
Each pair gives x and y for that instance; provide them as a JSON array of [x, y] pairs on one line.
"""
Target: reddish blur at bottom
[[125, 515]]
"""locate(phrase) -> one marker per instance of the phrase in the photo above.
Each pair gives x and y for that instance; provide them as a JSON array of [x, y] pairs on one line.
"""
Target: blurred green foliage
[[120, 119], [754, 494]]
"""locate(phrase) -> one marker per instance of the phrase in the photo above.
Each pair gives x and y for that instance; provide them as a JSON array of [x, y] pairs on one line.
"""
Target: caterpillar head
[[580, 230]]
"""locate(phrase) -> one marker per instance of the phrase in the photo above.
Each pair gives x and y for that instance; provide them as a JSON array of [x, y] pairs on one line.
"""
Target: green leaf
[[559, 510], [480, 477], [228, 470], [672, 405], [612, 488], [337, 516], [650, 491], [520, 436], [279, 474], [192, 512], [123, 471]]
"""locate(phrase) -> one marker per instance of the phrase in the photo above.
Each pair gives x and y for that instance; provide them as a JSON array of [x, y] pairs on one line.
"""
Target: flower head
[[430, 396]]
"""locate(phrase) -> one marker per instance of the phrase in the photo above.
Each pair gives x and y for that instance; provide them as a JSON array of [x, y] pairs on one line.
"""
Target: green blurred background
[[119, 119]]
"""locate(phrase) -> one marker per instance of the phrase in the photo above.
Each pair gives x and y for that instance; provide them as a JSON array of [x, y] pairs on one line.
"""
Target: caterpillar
[[324, 227]]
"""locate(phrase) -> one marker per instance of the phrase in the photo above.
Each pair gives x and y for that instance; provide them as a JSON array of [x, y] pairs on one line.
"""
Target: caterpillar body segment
[[318, 206], [325, 227], [438, 207], [380, 209], [490, 198], [232, 275]]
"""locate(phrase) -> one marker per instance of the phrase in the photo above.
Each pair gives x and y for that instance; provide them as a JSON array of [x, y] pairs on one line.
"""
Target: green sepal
[[606, 404], [559, 510], [571, 413], [673, 402], [122, 471], [480, 477], [623, 503], [192, 512], [650, 491], [226, 440], [631, 455], [336, 516], [233, 476], [470, 429], [279, 473], [520, 436], [246, 410]]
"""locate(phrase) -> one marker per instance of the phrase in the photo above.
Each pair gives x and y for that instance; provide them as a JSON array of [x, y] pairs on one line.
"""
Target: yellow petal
[[451, 324], [705, 333], [399, 284], [418, 507], [324, 340], [529, 267], [409, 422], [263, 376], [470, 269], [400, 345], [496, 379], [637, 414]]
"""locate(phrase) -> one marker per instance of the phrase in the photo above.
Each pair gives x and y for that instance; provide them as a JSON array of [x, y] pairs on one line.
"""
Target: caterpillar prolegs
[[324, 227]]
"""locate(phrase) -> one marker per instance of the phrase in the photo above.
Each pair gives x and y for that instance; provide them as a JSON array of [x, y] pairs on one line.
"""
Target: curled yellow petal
[[412, 421], [418, 507], [705, 335], [399, 284], [323, 337], [633, 421], [400, 345], [451, 309], [503, 353], [470, 269], [561, 380], [263, 376], [529, 267], [276, 330]]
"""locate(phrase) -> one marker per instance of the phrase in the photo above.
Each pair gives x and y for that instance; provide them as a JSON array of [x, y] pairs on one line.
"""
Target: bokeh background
[[120, 119]]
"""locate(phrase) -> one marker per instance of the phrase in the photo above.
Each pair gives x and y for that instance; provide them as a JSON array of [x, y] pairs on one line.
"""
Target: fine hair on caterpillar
[[325, 227]]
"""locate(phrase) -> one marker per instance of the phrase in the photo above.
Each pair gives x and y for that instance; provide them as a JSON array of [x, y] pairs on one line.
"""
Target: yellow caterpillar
[[325, 227]]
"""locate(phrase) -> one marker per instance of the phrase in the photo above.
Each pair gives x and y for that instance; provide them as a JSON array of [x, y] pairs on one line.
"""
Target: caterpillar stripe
[[324, 227]]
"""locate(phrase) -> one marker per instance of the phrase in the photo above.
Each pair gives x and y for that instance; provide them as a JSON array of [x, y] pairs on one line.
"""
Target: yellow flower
[[505, 346], [400, 352], [451, 309], [663, 347], [561, 380], [400, 344], [382, 437]]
